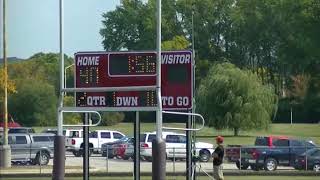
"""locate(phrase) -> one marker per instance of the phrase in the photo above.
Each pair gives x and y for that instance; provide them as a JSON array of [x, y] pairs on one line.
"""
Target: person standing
[[218, 155]]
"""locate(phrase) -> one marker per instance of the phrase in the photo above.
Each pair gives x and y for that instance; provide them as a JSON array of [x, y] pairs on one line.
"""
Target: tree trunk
[[236, 131]]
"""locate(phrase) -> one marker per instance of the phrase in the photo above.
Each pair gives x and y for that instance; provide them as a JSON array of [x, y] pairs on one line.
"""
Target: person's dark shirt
[[220, 152]]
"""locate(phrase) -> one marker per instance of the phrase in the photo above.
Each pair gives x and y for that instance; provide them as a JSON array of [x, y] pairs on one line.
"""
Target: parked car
[[31, 147], [309, 159], [66, 132], [96, 139], [282, 152], [120, 148], [111, 149], [175, 146], [129, 152], [21, 130]]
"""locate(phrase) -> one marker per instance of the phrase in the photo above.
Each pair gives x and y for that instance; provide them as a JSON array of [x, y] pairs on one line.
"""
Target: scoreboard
[[123, 69]]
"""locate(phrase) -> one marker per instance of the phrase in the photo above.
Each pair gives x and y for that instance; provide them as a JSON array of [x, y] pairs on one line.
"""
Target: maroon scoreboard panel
[[123, 69]]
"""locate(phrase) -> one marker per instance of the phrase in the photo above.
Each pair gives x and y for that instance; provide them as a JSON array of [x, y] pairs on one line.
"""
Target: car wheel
[[125, 157], [148, 159], [316, 168], [81, 151], [270, 164], [42, 158], [243, 165], [77, 153], [204, 155]]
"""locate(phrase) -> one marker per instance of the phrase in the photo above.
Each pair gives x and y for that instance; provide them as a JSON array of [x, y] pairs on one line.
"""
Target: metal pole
[[189, 150], [158, 145], [58, 170], [85, 148], [240, 158], [137, 148], [65, 77], [61, 21], [174, 162], [193, 94], [5, 151], [159, 112], [291, 115], [107, 160]]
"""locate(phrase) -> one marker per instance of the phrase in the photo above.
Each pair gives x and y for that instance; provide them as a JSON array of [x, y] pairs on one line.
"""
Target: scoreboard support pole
[[137, 147], [159, 145], [85, 148], [189, 161]]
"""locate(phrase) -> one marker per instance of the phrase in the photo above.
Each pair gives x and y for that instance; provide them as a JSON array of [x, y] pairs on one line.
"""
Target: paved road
[[99, 163]]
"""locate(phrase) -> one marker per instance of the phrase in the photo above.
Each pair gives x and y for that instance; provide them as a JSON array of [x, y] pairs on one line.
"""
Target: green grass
[[304, 131], [183, 178]]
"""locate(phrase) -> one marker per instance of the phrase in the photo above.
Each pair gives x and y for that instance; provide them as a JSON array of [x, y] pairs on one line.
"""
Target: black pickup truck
[[282, 152]]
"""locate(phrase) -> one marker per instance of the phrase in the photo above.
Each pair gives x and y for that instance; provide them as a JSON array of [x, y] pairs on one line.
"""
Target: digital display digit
[[132, 64], [89, 75]]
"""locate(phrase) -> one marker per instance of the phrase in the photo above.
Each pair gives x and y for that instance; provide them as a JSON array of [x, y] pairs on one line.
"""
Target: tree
[[11, 85], [236, 99], [71, 118], [133, 24], [34, 104], [111, 118], [177, 43]]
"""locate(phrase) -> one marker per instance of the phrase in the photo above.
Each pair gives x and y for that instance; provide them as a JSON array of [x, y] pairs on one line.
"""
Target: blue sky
[[33, 26]]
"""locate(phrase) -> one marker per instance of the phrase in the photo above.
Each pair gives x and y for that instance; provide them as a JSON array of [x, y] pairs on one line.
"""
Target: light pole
[[58, 170], [5, 151], [65, 76]]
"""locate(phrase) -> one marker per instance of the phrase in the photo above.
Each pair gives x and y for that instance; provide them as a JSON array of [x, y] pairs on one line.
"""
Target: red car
[[119, 149]]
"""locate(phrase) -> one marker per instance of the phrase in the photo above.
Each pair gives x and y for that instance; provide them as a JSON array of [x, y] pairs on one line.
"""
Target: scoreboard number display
[[132, 65], [123, 69]]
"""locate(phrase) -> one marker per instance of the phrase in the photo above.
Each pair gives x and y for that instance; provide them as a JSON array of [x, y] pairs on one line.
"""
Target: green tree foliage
[[177, 43], [34, 103], [10, 85], [36, 79], [111, 118], [41, 67], [71, 118], [236, 99], [134, 24]]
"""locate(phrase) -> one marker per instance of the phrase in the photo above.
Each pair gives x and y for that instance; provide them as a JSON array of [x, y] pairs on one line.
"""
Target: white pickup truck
[[96, 139], [176, 146]]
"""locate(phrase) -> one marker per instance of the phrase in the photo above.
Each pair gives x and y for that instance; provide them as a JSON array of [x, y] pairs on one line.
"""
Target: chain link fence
[[119, 159]]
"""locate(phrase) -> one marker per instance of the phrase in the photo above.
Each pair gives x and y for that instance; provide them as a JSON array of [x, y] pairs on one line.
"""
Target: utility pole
[[5, 151]]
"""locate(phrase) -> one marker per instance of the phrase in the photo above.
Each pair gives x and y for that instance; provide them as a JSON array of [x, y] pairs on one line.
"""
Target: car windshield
[[310, 152], [124, 139], [21, 130], [261, 141], [151, 137], [310, 144], [142, 137]]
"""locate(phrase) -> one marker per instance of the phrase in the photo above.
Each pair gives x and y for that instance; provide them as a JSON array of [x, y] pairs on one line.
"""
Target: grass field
[[183, 178], [304, 131]]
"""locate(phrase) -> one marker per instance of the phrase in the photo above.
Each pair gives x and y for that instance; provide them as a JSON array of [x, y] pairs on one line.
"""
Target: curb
[[124, 174]]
